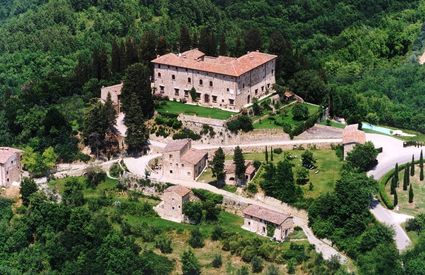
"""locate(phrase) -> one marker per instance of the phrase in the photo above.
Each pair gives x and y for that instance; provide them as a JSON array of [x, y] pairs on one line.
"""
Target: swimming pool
[[379, 129]]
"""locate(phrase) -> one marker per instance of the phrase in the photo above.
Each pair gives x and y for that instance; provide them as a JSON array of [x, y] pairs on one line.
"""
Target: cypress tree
[[116, 63], [131, 56], [147, 50], [411, 195], [421, 166], [239, 161], [396, 175], [393, 185], [406, 178], [100, 64], [162, 47], [266, 155], [253, 40], [395, 198], [271, 154], [223, 44], [185, 41], [412, 166], [218, 166]]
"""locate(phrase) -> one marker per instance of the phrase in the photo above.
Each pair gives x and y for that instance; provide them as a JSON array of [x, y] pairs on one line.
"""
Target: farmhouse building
[[351, 136], [180, 161], [230, 168], [259, 220], [171, 205], [223, 82], [115, 92], [10, 166]]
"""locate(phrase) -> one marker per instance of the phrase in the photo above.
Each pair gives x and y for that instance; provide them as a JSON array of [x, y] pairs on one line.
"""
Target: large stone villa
[[10, 166], [257, 218], [180, 161], [222, 82]]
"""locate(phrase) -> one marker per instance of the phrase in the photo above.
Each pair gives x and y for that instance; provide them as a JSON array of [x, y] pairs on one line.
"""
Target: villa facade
[[222, 82], [10, 166], [259, 219]]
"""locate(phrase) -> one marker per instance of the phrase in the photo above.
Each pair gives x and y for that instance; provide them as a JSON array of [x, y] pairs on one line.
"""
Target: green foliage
[[190, 264], [217, 166], [421, 166], [73, 194], [196, 239], [240, 168], [28, 187], [186, 133], [39, 164], [252, 188], [270, 229], [277, 151], [217, 233], [164, 245], [412, 166], [363, 156], [300, 112], [241, 122], [193, 94], [193, 210], [257, 264], [308, 159], [411, 195], [217, 262], [169, 120], [302, 175]]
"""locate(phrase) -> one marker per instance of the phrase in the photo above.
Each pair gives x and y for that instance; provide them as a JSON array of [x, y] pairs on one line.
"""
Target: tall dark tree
[[411, 195], [239, 161], [185, 42], [406, 178], [82, 72], [207, 42], [266, 155], [162, 47], [218, 166], [253, 40], [100, 64], [395, 203], [412, 166], [421, 166], [239, 48], [190, 264], [116, 56], [286, 63], [284, 185], [396, 171], [147, 50], [223, 45], [28, 187], [195, 40], [393, 184], [131, 55], [271, 154], [95, 127]]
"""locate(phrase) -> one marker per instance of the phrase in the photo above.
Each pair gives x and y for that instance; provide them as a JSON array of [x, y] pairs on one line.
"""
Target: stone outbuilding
[[115, 92], [10, 166], [181, 161], [230, 168], [171, 206], [351, 136], [259, 219]]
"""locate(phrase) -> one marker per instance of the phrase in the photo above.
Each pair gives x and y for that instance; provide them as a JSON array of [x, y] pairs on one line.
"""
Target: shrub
[[217, 233], [217, 261], [206, 195], [94, 176], [257, 164], [115, 170], [164, 245], [242, 122], [196, 240], [206, 129], [193, 210], [252, 188], [270, 230], [277, 150], [186, 133], [300, 112], [256, 264]]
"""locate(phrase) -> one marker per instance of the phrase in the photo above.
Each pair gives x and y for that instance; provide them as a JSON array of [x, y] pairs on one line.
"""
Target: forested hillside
[[358, 56]]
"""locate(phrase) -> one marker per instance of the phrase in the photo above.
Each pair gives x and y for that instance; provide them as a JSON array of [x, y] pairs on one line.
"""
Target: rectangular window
[[231, 101], [159, 74], [170, 156], [272, 72], [189, 80], [211, 83], [161, 89], [200, 82], [228, 89], [268, 85], [256, 91], [262, 88], [176, 92], [173, 77], [186, 93], [214, 98], [171, 171]]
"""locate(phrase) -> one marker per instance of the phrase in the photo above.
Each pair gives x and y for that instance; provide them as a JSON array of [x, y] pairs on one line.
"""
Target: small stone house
[[351, 136], [180, 161], [10, 166], [259, 219], [115, 92], [230, 168], [171, 206]]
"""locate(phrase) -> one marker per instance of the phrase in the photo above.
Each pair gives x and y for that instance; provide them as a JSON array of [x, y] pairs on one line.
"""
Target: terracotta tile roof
[[6, 153], [115, 89], [178, 189], [193, 156], [232, 66], [266, 214], [176, 145], [230, 167], [351, 134]]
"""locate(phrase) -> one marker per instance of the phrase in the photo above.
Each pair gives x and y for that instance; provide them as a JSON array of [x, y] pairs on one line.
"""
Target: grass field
[[284, 116], [174, 107], [418, 205], [328, 165]]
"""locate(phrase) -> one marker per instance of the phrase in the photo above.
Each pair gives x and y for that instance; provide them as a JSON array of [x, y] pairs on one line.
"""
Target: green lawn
[[178, 108], [284, 116], [328, 165], [333, 124], [418, 205]]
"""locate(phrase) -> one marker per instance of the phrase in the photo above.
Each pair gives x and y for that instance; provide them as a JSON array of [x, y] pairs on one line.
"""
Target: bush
[[242, 122], [193, 210], [94, 176], [206, 195], [169, 120], [257, 164], [300, 112], [115, 170], [256, 264], [252, 188], [186, 133], [217, 261], [277, 151], [217, 233], [164, 245], [206, 129], [196, 240]]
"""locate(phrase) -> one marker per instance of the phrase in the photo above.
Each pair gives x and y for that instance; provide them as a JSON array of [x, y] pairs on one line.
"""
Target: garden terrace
[[174, 107]]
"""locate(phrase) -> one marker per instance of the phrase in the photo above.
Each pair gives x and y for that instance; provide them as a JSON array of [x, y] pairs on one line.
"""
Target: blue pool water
[[379, 129]]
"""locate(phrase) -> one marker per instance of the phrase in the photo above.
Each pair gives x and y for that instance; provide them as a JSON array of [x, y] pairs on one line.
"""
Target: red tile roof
[[232, 66], [193, 156], [178, 189], [176, 145], [266, 214], [115, 89], [230, 167], [6, 153], [351, 134]]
